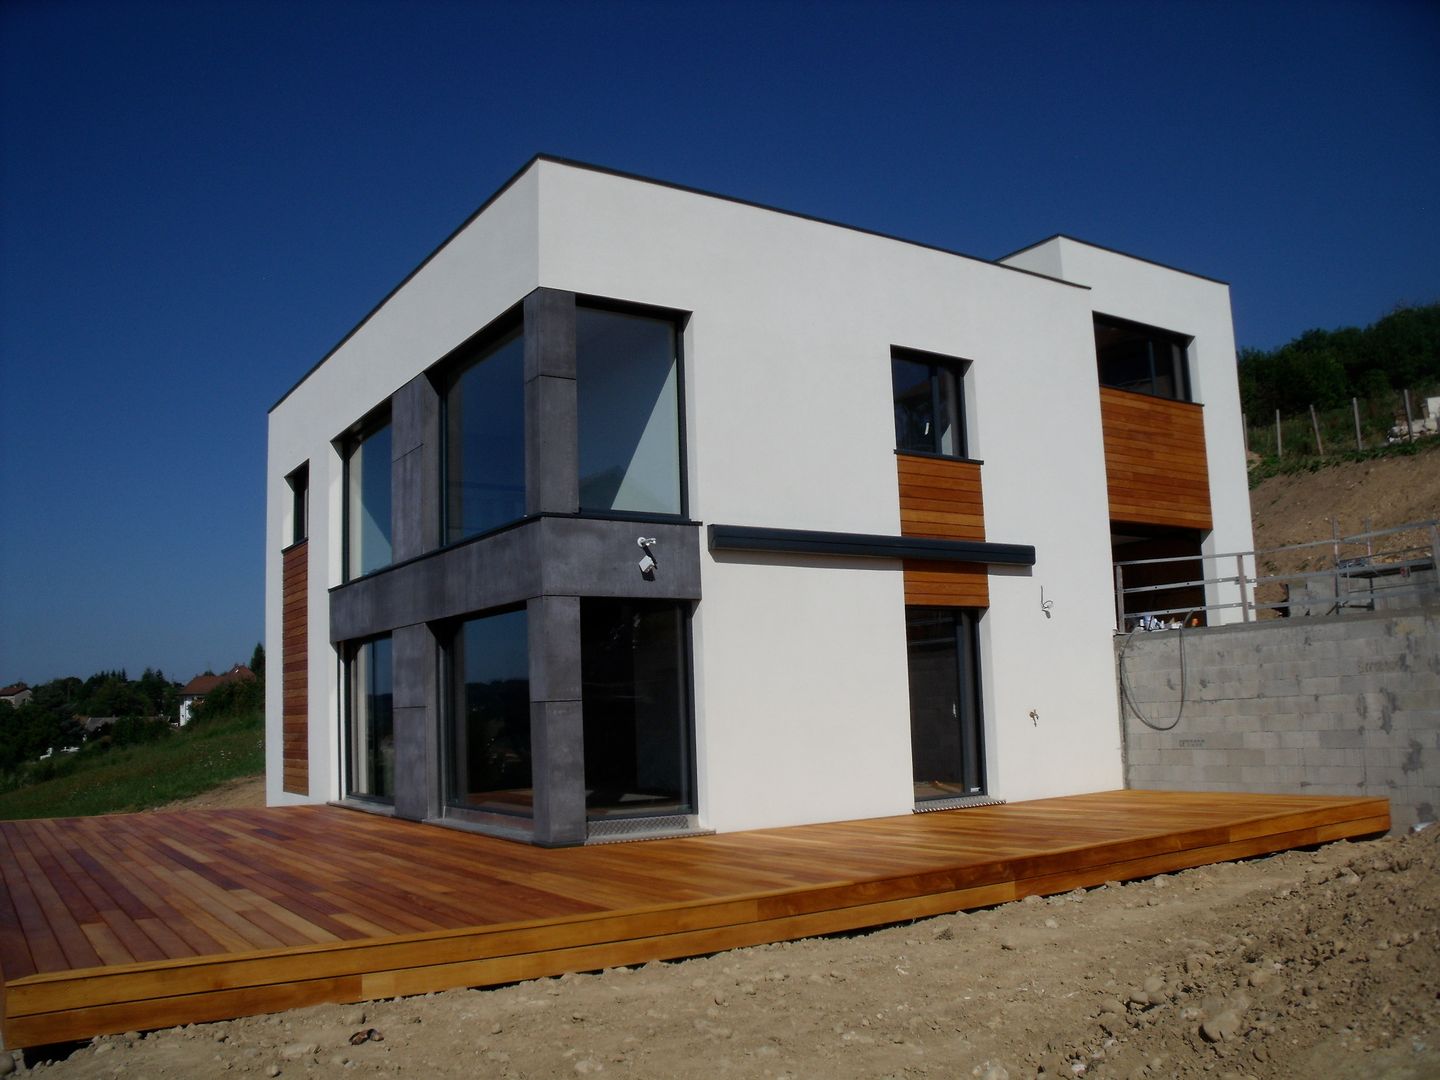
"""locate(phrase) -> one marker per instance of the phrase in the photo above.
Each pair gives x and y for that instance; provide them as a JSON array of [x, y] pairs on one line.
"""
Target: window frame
[[679, 322], [1151, 334], [349, 652], [959, 370], [373, 422], [444, 376], [299, 484]]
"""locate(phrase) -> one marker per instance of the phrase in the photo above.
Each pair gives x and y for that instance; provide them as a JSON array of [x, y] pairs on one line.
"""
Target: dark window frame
[[299, 482], [348, 444], [680, 321], [349, 651], [959, 369], [443, 376], [447, 635], [971, 715], [1151, 335]]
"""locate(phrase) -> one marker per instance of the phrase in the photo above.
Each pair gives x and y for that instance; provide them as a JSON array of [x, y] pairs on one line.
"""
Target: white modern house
[[638, 510]]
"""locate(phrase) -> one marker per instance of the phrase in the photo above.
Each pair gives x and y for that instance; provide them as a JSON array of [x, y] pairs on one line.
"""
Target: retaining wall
[[1342, 705]]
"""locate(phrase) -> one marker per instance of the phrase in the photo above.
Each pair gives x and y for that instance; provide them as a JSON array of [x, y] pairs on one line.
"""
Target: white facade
[[800, 686]]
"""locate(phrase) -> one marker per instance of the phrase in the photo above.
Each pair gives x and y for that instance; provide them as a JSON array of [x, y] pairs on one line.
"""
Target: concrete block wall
[[1345, 705]]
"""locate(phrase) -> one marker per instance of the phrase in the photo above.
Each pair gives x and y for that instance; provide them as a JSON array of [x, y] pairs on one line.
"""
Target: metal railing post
[[1119, 598], [1240, 579]]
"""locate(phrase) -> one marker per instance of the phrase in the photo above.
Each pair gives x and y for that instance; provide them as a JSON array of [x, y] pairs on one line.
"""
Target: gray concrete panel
[[552, 556], [416, 722], [595, 557], [550, 334], [415, 477], [554, 630], [552, 446], [557, 756]]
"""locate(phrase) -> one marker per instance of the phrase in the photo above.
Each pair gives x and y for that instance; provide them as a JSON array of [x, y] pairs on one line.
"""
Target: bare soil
[[1309, 963], [246, 791]]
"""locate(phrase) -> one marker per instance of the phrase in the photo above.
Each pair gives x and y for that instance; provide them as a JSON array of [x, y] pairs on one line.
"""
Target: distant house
[[193, 692], [15, 694]]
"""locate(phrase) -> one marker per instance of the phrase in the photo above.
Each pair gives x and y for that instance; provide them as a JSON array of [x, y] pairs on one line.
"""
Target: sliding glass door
[[945, 732]]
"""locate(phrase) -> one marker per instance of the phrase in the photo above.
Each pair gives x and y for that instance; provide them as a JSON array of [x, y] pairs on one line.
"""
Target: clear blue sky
[[198, 199]]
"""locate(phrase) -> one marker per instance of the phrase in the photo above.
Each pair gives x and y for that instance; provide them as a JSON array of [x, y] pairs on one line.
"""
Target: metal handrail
[[1373, 566]]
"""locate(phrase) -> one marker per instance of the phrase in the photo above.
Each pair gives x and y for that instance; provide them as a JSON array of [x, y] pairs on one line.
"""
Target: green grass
[[185, 763], [1295, 464]]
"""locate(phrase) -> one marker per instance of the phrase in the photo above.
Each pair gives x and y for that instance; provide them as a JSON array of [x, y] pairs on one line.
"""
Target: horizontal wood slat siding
[[295, 671], [942, 499], [1155, 463], [148, 920]]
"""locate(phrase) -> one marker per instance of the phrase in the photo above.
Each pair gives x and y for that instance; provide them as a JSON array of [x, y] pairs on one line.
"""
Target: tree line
[[1327, 368], [143, 708]]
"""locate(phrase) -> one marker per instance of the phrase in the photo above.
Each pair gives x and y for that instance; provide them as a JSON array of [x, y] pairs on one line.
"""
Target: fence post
[[1245, 431], [1244, 592], [1355, 408], [1279, 450], [1335, 546], [1119, 598], [1315, 425], [1409, 421]]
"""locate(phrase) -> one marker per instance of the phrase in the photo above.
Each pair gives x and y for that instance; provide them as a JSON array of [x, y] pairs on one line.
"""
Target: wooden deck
[[140, 921]]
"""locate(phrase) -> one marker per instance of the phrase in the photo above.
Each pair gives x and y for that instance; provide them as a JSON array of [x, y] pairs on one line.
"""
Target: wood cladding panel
[[946, 584], [940, 498], [295, 670], [149, 920], [1155, 464]]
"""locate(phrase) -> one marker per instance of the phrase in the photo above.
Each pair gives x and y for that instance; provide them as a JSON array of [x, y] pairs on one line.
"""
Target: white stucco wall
[[802, 688], [800, 664]]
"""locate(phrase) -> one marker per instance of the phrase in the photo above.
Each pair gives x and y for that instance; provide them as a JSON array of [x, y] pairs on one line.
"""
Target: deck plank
[[135, 921]]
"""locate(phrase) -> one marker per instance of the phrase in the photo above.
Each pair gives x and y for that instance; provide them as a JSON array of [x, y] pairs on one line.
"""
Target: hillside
[[1383, 492]]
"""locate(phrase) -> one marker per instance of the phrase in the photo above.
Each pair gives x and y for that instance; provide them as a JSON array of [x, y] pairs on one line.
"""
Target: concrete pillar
[[415, 469], [552, 447], [416, 712], [557, 733]]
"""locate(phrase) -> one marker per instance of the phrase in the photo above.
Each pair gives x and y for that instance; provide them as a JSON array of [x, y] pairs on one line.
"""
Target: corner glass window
[[635, 698], [1142, 359], [628, 389], [369, 721], [488, 736], [367, 500], [929, 403], [483, 417]]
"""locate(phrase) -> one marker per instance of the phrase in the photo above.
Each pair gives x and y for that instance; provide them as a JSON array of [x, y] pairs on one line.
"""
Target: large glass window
[[627, 383], [369, 720], [929, 403], [484, 432], [299, 482], [488, 751], [636, 705], [367, 500], [945, 742], [1141, 358]]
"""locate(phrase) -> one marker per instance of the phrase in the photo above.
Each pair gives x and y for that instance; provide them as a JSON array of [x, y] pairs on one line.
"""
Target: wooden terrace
[[140, 921]]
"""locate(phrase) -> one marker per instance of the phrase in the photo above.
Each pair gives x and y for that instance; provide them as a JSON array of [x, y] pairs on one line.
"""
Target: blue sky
[[198, 199]]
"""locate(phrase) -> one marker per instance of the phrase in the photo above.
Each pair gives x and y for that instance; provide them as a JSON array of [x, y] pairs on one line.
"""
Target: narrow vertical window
[[369, 721], [299, 482], [488, 736], [367, 500], [945, 739], [929, 403], [628, 391], [484, 434]]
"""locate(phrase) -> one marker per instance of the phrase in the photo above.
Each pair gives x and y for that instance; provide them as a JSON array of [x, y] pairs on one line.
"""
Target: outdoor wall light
[[647, 561]]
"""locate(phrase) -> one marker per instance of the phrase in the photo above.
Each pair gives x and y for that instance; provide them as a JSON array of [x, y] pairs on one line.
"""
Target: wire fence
[[1363, 424]]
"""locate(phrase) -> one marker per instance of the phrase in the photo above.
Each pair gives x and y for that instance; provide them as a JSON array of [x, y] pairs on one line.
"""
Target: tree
[[257, 661]]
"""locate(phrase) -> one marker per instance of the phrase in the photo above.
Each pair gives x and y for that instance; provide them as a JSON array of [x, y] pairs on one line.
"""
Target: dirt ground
[[246, 791], [1385, 492], [1309, 963]]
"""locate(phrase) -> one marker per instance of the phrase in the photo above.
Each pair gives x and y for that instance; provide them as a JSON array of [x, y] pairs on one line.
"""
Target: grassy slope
[[190, 761]]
